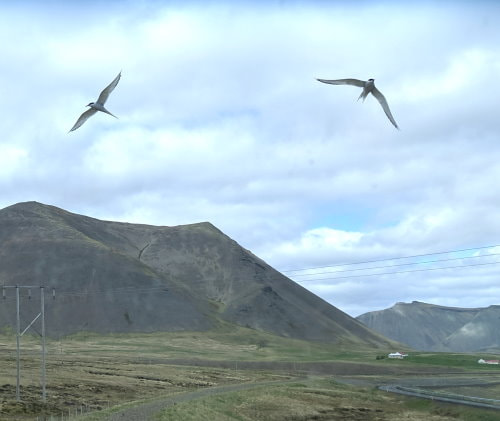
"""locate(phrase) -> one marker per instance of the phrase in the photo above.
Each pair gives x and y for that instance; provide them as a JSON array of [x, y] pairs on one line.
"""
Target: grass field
[[319, 399], [240, 344], [96, 372], [465, 361]]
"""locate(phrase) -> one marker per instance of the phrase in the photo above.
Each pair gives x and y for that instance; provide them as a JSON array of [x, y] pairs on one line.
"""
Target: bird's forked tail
[[363, 95]]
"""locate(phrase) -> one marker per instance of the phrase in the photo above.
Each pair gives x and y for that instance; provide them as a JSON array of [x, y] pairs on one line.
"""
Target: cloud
[[11, 158], [221, 119]]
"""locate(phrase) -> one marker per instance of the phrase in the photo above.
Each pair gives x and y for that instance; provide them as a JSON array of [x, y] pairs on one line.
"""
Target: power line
[[398, 272], [398, 264], [391, 258], [131, 289], [127, 290], [122, 290]]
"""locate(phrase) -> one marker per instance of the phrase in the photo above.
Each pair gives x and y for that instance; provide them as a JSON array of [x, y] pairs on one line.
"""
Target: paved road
[[457, 399]]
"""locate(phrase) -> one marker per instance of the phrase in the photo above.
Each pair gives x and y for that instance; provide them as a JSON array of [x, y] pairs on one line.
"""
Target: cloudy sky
[[221, 120]]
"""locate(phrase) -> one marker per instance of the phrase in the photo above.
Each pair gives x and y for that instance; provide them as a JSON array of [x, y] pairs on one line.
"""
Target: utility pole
[[18, 340], [42, 312], [19, 333]]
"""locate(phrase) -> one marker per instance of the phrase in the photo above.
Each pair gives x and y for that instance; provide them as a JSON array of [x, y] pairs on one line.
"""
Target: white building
[[398, 355]]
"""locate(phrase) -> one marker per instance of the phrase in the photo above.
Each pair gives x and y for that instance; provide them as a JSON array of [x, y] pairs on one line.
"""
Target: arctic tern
[[368, 87], [98, 105]]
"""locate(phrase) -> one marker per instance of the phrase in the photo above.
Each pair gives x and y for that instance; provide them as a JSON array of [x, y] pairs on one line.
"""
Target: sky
[[220, 119]]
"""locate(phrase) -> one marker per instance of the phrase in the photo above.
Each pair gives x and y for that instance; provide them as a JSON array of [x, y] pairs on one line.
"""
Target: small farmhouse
[[482, 361], [398, 355]]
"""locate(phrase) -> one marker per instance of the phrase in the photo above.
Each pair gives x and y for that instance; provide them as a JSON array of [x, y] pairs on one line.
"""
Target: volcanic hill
[[121, 277]]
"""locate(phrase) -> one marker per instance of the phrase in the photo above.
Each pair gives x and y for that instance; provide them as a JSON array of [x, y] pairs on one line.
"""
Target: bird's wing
[[381, 98], [354, 82], [103, 97], [83, 118]]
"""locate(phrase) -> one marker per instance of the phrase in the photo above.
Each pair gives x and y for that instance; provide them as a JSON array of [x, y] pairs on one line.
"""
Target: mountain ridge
[[431, 327], [120, 277]]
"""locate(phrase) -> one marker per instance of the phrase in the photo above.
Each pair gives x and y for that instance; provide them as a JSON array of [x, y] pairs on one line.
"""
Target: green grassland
[[446, 360], [243, 344], [235, 343], [108, 371], [318, 399]]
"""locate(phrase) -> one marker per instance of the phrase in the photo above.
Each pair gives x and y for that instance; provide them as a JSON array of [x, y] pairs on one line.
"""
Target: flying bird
[[368, 87], [98, 105]]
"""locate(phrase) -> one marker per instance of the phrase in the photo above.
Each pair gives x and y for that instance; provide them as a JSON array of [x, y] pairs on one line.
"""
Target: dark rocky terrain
[[120, 277], [430, 327]]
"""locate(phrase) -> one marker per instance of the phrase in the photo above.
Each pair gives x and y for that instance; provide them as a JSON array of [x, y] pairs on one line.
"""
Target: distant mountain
[[430, 327], [120, 277]]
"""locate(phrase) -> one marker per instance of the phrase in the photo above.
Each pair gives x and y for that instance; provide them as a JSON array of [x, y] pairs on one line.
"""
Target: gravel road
[[147, 411]]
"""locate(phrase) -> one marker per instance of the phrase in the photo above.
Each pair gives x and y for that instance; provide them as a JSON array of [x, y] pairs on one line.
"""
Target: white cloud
[[11, 159], [220, 119], [465, 72]]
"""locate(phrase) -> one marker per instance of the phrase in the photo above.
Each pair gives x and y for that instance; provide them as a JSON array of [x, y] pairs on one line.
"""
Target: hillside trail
[[147, 411]]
